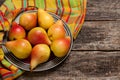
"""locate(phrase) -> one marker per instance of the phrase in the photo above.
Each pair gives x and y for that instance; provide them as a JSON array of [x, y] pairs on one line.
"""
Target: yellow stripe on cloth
[[1, 54], [51, 6], [31, 2], [66, 9], [17, 3], [81, 21], [3, 8]]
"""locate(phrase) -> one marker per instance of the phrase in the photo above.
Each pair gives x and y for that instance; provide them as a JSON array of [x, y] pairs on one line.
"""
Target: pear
[[37, 36], [60, 46], [28, 20], [56, 31], [21, 48], [40, 54], [16, 32], [45, 20]]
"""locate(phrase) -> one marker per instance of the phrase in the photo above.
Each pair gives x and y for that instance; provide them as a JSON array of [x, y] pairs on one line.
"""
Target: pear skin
[[60, 47], [28, 20], [40, 54], [21, 48], [56, 31], [45, 20], [16, 32], [37, 36]]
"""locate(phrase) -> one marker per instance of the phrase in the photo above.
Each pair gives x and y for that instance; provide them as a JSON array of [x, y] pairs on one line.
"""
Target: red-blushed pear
[[40, 54], [21, 48], [16, 32], [28, 20], [38, 35], [45, 20], [60, 47], [56, 31]]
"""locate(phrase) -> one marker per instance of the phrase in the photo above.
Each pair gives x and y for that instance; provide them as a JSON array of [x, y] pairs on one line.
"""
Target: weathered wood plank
[[82, 65], [98, 35], [103, 10]]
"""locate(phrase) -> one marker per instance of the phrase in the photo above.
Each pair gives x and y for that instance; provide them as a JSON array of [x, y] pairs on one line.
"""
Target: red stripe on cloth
[[62, 9], [81, 20], [69, 12], [1, 25], [8, 73], [1, 13], [5, 7], [56, 6]]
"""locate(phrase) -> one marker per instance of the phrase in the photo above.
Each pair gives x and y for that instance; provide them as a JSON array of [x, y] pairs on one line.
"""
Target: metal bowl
[[51, 63]]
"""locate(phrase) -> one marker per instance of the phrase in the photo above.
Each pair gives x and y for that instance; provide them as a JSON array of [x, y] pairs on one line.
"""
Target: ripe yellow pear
[[28, 20], [60, 47], [40, 54], [45, 20], [21, 48], [56, 31]]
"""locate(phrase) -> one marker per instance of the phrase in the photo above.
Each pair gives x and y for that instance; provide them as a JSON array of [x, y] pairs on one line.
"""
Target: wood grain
[[82, 65], [103, 10], [98, 35]]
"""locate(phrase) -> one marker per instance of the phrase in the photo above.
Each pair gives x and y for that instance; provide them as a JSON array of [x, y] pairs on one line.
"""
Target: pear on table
[[21, 48], [45, 20], [40, 54], [56, 31]]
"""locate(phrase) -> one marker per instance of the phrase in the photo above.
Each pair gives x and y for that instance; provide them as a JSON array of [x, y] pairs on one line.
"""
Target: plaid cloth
[[71, 11]]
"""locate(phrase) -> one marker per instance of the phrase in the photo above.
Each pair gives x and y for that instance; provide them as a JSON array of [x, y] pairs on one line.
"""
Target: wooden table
[[96, 51]]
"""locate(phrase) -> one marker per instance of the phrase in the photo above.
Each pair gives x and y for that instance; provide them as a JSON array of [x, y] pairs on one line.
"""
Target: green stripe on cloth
[[5, 63], [10, 6], [59, 7], [18, 73], [40, 4], [75, 6], [24, 3]]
